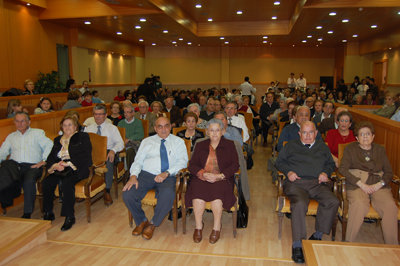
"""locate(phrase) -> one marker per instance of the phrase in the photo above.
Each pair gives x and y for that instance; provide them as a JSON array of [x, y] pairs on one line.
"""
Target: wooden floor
[[108, 240]]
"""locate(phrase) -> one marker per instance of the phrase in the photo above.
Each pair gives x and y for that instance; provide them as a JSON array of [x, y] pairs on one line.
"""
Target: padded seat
[[372, 214], [312, 206]]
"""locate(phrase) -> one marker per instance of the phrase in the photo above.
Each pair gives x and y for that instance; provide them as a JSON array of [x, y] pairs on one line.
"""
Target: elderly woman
[[368, 175], [195, 108], [389, 108], [29, 87], [68, 162], [44, 106], [115, 115], [191, 133], [343, 134], [157, 108], [212, 167]]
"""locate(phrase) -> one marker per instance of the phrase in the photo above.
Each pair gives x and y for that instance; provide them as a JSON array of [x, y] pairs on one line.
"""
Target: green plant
[[48, 83]]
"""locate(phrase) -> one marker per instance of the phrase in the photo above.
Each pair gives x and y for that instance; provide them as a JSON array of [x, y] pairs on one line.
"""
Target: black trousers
[[68, 193]]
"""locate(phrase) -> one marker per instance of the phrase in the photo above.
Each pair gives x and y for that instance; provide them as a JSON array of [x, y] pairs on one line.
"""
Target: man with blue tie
[[158, 160]]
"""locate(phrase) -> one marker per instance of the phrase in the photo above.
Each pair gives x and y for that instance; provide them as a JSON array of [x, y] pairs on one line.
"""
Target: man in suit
[[307, 163], [175, 112], [266, 110], [144, 114], [208, 113], [158, 160]]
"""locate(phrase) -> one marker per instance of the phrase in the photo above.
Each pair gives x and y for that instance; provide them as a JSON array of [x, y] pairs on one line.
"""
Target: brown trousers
[[382, 201]]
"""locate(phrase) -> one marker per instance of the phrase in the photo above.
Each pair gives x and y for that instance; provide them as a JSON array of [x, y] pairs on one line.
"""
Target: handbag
[[66, 172], [243, 212]]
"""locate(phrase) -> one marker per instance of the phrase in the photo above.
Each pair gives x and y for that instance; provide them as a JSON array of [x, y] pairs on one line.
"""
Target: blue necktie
[[98, 130], [164, 157]]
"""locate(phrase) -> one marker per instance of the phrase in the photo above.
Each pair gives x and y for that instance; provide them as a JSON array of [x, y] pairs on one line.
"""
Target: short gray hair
[[100, 106], [145, 102], [195, 105], [130, 106], [215, 121]]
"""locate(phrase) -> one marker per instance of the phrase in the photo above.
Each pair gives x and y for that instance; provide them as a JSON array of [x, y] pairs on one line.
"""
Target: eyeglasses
[[368, 134], [344, 120]]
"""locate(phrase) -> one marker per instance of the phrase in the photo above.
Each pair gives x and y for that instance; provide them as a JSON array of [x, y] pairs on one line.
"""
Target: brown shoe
[[148, 231], [197, 235], [107, 199], [139, 229], [214, 236]]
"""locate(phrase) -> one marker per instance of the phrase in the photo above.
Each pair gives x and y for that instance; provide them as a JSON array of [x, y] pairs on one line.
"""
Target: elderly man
[[236, 120], [309, 102], [144, 114], [331, 122], [134, 133], [175, 112], [266, 110], [307, 163], [114, 145], [28, 149], [317, 112], [159, 159], [231, 132], [328, 109], [208, 113]]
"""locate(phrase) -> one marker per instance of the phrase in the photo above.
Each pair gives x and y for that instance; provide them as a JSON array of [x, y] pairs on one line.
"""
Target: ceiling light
[[189, 43], [198, 6], [293, 45], [226, 42], [119, 33], [210, 19], [138, 27], [345, 20], [277, 3], [265, 41], [173, 42], [274, 17], [330, 32], [390, 48], [332, 14], [165, 31], [344, 40], [140, 40], [318, 27], [239, 12], [374, 26], [181, 39], [28, 4], [309, 36], [270, 43], [265, 37], [198, 44], [154, 44], [221, 38], [304, 41], [355, 35], [88, 22], [142, 20], [398, 13], [319, 39]]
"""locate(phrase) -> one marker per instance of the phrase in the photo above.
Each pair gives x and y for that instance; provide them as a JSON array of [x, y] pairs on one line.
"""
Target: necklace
[[366, 154]]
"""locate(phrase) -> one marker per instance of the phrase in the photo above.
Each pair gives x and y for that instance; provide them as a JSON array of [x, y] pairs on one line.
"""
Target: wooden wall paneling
[[34, 99]]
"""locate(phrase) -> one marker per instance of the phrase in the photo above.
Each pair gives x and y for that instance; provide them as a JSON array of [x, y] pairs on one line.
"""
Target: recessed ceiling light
[[318, 27], [88, 22], [181, 39], [198, 6], [138, 27], [390, 48], [330, 32], [173, 42], [304, 41], [165, 31], [398, 13], [265, 41], [154, 44], [28, 4], [189, 43], [274, 17], [221, 38], [210, 19], [355, 35], [309, 36], [142, 20], [345, 20], [140, 40], [265, 37], [319, 39], [374, 26], [226, 42], [344, 40], [115, 17], [293, 45], [119, 33], [270, 43], [317, 45], [277, 3], [332, 14], [239, 12]]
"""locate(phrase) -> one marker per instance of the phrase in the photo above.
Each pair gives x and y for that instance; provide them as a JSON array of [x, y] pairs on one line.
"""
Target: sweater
[[133, 131]]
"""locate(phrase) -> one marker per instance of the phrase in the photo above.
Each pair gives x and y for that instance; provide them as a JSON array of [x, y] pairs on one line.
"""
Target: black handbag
[[243, 212], [64, 173]]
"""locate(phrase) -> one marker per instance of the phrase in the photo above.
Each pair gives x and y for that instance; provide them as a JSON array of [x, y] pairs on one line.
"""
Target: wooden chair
[[120, 173], [248, 118], [151, 200], [234, 208], [145, 124], [344, 203]]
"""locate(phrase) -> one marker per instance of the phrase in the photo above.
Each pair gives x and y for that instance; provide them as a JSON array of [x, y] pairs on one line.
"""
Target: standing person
[[308, 164], [115, 144], [246, 88], [266, 110], [68, 162], [301, 82], [159, 159], [291, 82], [28, 149]]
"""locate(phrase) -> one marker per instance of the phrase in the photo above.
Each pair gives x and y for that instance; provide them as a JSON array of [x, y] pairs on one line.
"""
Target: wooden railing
[[33, 100]]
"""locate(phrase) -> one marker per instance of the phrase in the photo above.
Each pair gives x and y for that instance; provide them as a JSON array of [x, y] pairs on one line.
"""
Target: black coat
[[80, 152]]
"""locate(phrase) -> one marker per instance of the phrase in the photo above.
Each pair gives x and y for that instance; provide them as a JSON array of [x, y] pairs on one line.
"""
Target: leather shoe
[[26, 216], [148, 231], [139, 229], [214, 236], [107, 199], [49, 216], [297, 255], [69, 222], [312, 237]]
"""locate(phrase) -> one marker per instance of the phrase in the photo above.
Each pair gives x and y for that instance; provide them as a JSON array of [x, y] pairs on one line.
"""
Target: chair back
[[99, 148], [204, 130], [248, 118], [175, 130], [168, 115], [145, 124], [122, 132], [341, 150], [188, 144]]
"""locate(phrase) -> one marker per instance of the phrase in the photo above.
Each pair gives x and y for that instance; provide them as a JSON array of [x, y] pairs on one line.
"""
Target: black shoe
[[69, 222], [26, 216], [297, 255], [49, 216], [312, 237]]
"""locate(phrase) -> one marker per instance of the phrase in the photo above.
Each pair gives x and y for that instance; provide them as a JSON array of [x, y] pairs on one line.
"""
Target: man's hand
[[132, 182], [323, 178], [292, 176], [111, 156], [161, 177], [39, 164]]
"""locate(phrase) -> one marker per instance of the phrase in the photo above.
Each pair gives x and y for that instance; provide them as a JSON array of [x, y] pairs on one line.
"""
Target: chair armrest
[[89, 181], [281, 177], [396, 187]]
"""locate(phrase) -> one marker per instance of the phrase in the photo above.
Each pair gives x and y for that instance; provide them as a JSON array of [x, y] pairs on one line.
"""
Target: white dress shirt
[[31, 147], [148, 156], [90, 121], [301, 83], [114, 139], [238, 121], [247, 88], [291, 82]]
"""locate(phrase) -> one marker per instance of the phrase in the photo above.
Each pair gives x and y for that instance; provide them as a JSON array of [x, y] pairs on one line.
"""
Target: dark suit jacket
[[176, 116], [327, 124], [80, 151], [152, 120]]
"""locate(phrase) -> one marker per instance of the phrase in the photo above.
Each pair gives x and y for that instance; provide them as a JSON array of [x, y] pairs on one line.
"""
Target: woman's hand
[[212, 178], [377, 186], [366, 188]]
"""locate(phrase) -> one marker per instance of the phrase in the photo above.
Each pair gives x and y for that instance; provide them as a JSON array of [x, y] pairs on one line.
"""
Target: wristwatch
[[383, 183], [168, 174]]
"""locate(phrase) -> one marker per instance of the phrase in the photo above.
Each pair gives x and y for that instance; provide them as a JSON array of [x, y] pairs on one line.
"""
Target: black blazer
[[80, 151]]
